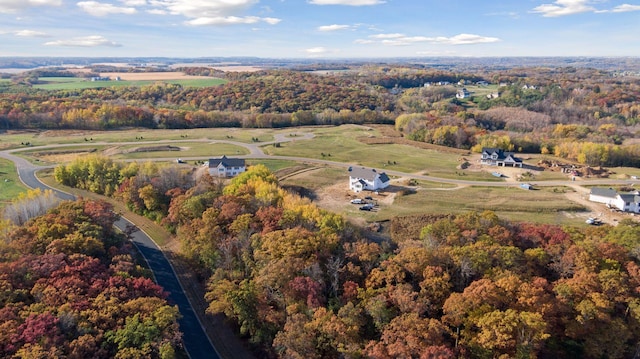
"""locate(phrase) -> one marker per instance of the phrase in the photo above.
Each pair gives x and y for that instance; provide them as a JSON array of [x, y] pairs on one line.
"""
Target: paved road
[[196, 341]]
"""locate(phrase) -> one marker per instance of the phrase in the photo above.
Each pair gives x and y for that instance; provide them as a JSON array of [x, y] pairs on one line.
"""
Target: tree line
[[72, 288]]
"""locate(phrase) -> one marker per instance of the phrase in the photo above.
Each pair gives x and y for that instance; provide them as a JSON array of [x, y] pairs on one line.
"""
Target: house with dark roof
[[226, 167], [463, 93], [367, 179], [499, 157], [626, 202]]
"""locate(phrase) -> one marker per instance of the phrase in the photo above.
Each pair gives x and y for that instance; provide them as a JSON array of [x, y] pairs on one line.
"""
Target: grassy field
[[340, 144], [154, 151], [76, 83], [10, 185], [548, 205], [187, 149], [18, 139], [273, 165]]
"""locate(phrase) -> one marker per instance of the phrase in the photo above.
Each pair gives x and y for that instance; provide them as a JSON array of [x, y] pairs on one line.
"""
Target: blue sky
[[319, 28]]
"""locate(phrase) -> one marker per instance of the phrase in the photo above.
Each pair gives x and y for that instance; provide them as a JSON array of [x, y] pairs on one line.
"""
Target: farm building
[[498, 157], [626, 202], [361, 179], [226, 167]]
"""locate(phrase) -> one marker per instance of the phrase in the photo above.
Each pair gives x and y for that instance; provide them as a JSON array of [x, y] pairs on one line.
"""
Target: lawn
[[340, 144], [547, 205], [76, 83], [187, 149], [10, 185], [274, 166]]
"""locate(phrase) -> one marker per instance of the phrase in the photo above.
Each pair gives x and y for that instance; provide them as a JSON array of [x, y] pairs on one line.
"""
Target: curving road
[[196, 341]]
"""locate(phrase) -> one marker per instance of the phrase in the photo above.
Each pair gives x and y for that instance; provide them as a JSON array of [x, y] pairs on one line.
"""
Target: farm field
[[127, 79]]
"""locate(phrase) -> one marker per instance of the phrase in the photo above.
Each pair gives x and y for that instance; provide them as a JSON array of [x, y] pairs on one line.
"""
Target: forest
[[301, 282], [72, 287], [580, 114]]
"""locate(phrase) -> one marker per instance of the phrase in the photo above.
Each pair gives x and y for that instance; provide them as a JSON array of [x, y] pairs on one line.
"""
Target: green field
[[340, 144], [18, 139], [10, 184], [188, 149], [547, 205], [76, 83]]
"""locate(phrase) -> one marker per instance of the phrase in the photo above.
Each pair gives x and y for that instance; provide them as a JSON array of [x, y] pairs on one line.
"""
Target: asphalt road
[[196, 341]]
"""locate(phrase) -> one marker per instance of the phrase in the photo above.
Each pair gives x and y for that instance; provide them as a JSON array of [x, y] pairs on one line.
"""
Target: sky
[[319, 28]]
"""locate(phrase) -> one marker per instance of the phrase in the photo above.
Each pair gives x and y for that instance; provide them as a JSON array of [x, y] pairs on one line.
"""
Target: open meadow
[[127, 79], [32, 138]]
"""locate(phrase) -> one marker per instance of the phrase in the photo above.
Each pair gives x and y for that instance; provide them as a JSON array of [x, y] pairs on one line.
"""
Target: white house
[[498, 157], [226, 167], [463, 93], [603, 195], [629, 202], [626, 202], [361, 179]]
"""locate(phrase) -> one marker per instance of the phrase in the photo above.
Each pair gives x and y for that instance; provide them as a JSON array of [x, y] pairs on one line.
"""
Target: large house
[[626, 202], [463, 93], [498, 157], [226, 167], [367, 179]]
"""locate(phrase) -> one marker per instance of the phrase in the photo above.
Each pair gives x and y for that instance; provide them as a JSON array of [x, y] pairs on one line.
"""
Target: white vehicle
[[357, 201]]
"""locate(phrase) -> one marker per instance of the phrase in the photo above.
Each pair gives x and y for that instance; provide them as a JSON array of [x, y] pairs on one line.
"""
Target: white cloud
[[403, 40], [205, 8], [11, 6], [101, 9], [364, 41], [209, 12], [158, 12], [626, 8], [316, 50], [465, 39], [231, 20], [30, 33], [334, 27], [347, 2], [134, 2], [387, 36], [563, 8], [87, 41]]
